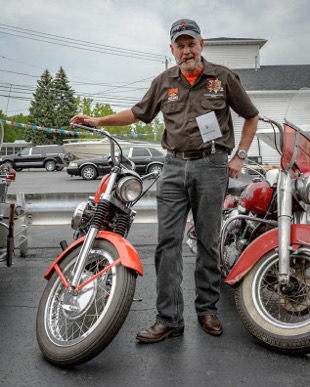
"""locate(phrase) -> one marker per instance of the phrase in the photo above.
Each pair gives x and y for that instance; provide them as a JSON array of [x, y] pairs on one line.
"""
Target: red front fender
[[127, 253], [260, 246]]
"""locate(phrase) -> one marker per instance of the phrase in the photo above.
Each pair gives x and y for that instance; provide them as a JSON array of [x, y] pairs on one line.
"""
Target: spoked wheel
[[278, 316], [73, 329]]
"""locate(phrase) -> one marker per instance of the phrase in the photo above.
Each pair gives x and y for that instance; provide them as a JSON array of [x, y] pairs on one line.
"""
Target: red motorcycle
[[13, 230], [265, 243], [92, 282]]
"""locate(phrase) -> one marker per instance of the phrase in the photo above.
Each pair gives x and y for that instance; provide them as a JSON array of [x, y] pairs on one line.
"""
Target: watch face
[[242, 154]]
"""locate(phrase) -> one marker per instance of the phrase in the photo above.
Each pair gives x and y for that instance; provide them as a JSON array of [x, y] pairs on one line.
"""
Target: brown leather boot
[[158, 332], [211, 324]]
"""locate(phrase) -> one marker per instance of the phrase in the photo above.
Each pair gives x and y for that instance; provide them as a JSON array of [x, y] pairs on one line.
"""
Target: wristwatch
[[242, 154]]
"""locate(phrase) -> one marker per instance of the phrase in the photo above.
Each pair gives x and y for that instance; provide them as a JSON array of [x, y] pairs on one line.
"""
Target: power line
[[75, 43]]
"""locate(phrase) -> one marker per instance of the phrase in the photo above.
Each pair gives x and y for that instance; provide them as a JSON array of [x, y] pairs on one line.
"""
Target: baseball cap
[[184, 27]]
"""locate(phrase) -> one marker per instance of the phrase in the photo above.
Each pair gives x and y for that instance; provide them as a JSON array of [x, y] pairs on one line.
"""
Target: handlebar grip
[[88, 126]]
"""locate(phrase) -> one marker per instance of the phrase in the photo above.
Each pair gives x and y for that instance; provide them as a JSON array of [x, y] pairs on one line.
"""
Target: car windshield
[[125, 151], [25, 151]]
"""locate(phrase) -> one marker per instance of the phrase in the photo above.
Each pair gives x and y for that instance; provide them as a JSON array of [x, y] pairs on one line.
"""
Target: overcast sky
[[116, 32]]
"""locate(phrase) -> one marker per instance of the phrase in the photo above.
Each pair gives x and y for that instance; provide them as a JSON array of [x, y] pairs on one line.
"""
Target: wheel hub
[[295, 298], [290, 289], [75, 305]]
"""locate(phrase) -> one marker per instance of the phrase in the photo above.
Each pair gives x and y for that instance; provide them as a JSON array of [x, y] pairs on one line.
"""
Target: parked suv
[[146, 160], [50, 157]]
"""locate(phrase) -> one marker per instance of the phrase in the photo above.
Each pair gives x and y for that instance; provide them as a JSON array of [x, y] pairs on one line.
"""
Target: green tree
[[42, 110], [52, 106], [65, 102], [11, 132], [149, 132], [85, 106], [158, 127]]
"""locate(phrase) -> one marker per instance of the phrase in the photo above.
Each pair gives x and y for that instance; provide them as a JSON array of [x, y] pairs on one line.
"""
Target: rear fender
[[127, 253], [259, 247]]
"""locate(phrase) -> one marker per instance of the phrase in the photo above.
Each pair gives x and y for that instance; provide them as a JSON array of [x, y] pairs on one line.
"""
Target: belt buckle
[[184, 156], [196, 157]]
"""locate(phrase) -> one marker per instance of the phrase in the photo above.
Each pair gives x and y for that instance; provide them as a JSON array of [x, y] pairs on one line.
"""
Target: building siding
[[233, 56], [272, 105]]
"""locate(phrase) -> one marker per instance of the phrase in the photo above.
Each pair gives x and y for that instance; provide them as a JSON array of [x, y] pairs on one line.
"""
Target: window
[[25, 151], [155, 152], [138, 152], [37, 151]]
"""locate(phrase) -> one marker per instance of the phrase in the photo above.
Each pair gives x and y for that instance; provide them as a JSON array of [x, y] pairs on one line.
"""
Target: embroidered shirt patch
[[173, 94], [214, 86]]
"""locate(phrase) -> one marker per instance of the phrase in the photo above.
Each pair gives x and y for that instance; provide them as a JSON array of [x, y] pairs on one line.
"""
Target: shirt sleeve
[[238, 99], [149, 106]]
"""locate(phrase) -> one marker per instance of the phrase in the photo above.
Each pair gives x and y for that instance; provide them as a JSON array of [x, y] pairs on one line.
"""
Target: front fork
[[284, 192], [90, 237]]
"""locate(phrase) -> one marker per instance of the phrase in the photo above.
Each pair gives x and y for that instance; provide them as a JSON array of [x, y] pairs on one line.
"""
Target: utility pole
[[167, 60], [7, 105]]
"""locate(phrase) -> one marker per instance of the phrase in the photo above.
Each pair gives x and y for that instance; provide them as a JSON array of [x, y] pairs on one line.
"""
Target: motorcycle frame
[[286, 238], [299, 236], [90, 237], [128, 256], [223, 233]]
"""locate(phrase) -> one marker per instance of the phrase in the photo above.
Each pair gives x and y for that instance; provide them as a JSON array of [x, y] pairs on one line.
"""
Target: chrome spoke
[[284, 306], [66, 328]]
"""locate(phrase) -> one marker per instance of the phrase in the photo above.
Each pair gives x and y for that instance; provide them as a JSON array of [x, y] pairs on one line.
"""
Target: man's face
[[187, 53]]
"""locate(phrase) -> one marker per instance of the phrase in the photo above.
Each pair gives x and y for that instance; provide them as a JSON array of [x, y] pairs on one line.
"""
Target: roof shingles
[[278, 77]]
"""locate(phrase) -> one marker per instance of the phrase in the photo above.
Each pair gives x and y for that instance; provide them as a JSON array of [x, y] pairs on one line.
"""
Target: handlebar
[[280, 129], [270, 121], [105, 133]]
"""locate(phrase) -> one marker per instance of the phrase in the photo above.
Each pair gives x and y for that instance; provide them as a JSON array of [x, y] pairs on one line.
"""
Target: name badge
[[209, 127]]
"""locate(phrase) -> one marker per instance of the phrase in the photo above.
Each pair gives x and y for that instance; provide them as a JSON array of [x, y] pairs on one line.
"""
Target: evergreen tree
[[65, 102], [42, 110], [52, 106]]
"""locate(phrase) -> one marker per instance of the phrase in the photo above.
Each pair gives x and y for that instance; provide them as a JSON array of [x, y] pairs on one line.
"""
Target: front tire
[[74, 329], [89, 172], [155, 168], [279, 318], [50, 166]]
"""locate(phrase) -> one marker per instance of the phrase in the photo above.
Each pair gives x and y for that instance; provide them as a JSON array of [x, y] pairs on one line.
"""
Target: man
[[195, 97]]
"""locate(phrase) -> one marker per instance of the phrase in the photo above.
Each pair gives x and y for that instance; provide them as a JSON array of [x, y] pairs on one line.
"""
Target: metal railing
[[47, 209]]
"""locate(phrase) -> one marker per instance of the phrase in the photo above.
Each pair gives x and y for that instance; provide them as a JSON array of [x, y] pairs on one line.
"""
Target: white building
[[271, 88]]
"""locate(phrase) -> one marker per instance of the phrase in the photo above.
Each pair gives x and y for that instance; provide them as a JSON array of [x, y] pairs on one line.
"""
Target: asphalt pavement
[[195, 359]]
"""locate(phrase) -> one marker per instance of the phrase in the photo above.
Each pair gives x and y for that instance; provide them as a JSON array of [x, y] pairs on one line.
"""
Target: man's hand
[[234, 167], [83, 119]]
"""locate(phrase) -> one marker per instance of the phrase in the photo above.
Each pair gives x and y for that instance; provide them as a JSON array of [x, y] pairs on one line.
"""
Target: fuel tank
[[256, 197]]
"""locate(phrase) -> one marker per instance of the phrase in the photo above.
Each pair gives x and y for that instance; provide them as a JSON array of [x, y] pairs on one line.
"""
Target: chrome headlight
[[78, 215], [73, 164], [129, 189], [303, 188]]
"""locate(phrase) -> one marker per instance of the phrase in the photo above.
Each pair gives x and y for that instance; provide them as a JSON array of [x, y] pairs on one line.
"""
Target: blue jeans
[[199, 185]]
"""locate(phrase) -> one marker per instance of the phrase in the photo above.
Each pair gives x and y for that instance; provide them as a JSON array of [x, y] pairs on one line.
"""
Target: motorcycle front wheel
[[278, 317], [73, 329]]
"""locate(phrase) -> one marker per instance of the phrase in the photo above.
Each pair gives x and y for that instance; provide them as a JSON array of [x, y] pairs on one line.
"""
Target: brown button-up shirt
[[217, 89]]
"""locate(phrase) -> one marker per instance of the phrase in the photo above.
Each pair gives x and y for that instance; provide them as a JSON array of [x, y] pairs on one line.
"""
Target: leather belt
[[198, 154]]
